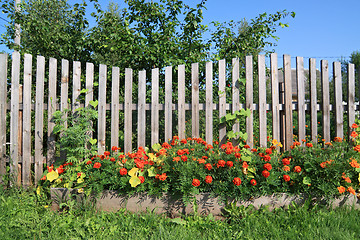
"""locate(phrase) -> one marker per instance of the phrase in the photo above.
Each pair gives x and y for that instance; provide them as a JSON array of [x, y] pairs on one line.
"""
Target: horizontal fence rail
[[153, 106]]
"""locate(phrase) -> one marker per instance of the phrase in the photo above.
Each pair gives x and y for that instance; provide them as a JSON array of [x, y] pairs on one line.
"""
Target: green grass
[[23, 216]]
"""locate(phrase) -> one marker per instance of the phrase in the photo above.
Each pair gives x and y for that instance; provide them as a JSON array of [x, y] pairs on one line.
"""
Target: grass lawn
[[24, 216]]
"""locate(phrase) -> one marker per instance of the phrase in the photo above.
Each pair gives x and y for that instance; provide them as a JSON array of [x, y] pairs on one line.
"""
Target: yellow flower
[[80, 190]]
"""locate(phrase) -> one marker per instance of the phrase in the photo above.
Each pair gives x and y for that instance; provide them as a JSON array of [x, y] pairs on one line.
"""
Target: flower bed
[[191, 167]]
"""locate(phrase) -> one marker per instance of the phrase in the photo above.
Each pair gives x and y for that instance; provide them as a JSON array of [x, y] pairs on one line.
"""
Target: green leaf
[[246, 158], [84, 90], [151, 172], [307, 180], [134, 181], [94, 103], [178, 221], [156, 147], [92, 141]]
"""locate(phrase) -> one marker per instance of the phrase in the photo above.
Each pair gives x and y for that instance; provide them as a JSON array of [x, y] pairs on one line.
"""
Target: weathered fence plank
[[313, 99], [262, 101], [351, 96], [168, 103], [235, 92], [89, 84], [102, 108], [339, 118], [275, 97], [195, 100], [249, 100], [3, 110], [222, 100], [301, 98], [181, 101], [76, 85], [154, 106], [209, 103], [51, 109], [26, 157], [288, 102], [39, 117], [115, 106], [14, 115], [141, 108], [64, 104], [325, 100], [128, 110]]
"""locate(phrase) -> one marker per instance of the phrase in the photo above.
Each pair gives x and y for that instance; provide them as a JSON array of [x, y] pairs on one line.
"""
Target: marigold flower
[[268, 151], [142, 179], [341, 189], [286, 168], [286, 178], [337, 139], [297, 169], [229, 164], [196, 182], [351, 190], [60, 169], [106, 153], [166, 145], [208, 179], [267, 158], [246, 146], [237, 181], [254, 150], [347, 179], [221, 163], [43, 178], [267, 166], [162, 177], [208, 166], [88, 162], [354, 163], [184, 158], [245, 165], [265, 173], [183, 141], [123, 171], [357, 148], [112, 159], [253, 182], [237, 155], [296, 143], [328, 144], [286, 161], [176, 159], [354, 134], [354, 125], [114, 148], [309, 145], [303, 140], [97, 165]]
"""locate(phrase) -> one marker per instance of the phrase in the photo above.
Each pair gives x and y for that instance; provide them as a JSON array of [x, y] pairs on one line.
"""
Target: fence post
[[288, 103], [3, 108], [249, 99]]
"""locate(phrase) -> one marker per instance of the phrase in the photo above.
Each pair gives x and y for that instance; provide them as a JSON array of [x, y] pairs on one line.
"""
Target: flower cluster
[[189, 166]]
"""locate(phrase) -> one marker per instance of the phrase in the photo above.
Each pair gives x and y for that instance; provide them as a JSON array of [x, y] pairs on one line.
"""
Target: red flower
[[196, 182], [341, 189], [184, 158], [354, 134], [237, 155], [208, 179], [354, 125], [123, 171], [142, 179], [114, 148], [297, 169], [357, 148], [43, 178], [208, 166], [229, 164], [112, 159], [286, 178], [265, 173], [237, 181], [267, 166], [268, 151], [253, 182], [106, 153], [88, 162], [162, 177], [60, 169], [183, 141], [309, 144], [267, 158], [180, 152], [245, 165], [286, 161], [351, 190], [97, 165], [221, 163], [246, 146], [166, 145]]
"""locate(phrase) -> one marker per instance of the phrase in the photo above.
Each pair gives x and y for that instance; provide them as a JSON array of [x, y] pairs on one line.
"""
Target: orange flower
[[196, 182], [286, 178], [208, 166], [176, 159], [237, 181], [351, 190], [328, 143], [208, 179], [43, 178], [357, 148], [338, 139], [309, 145], [201, 161], [297, 169], [347, 179], [162, 177], [354, 134], [354, 163], [245, 165], [97, 165], [354, 125], [341, 189], [253, 182], [303, 140], [286, 168], [267, 166]]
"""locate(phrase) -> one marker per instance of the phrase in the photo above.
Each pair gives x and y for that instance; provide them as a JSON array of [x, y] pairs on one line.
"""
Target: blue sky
[[325, 29]]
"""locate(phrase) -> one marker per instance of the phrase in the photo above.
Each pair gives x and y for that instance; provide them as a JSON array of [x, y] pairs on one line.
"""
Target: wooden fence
[[26, 136]]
